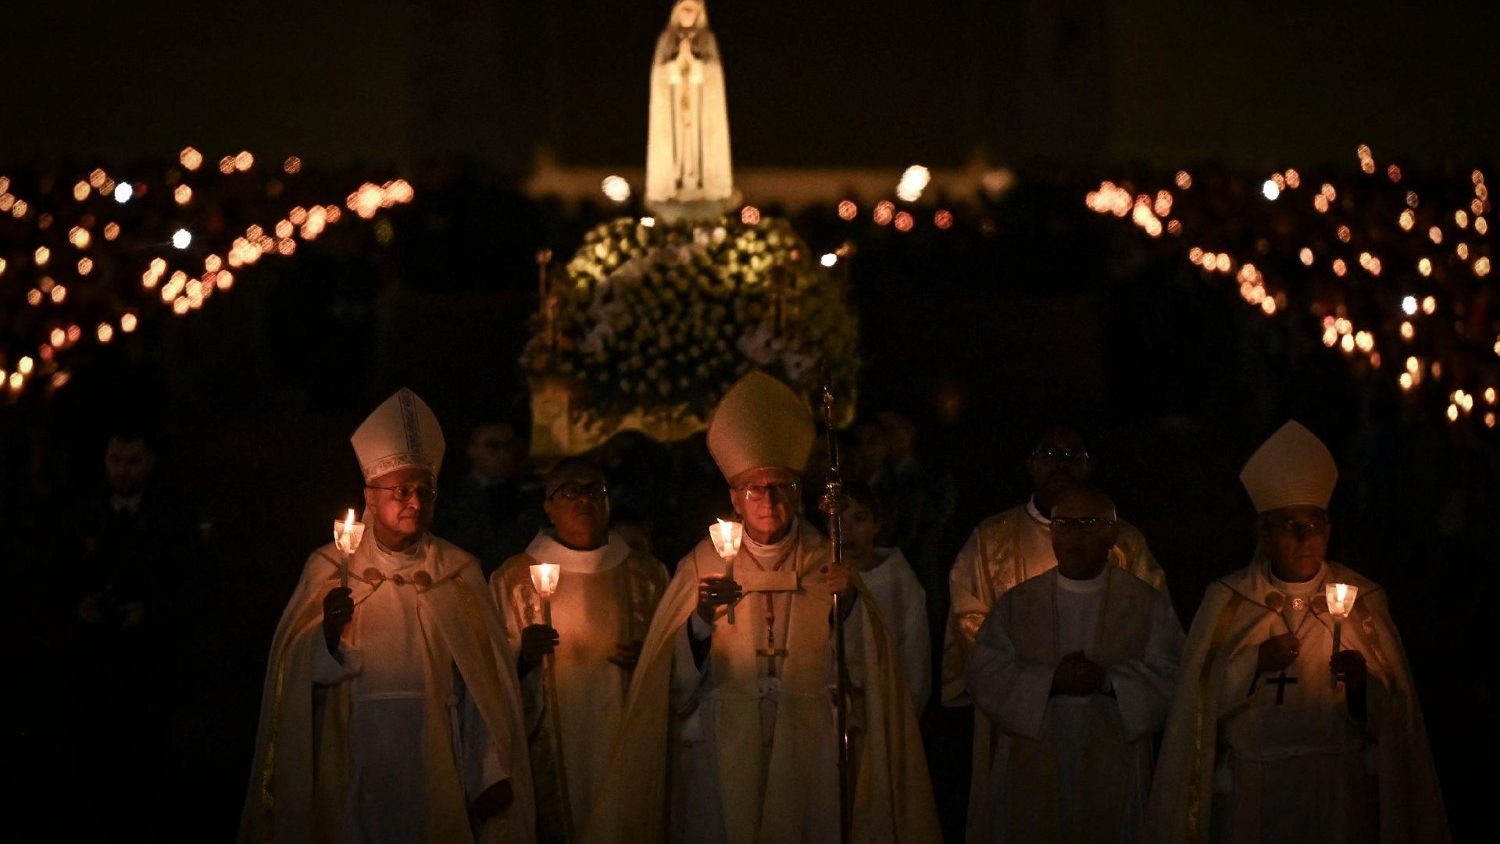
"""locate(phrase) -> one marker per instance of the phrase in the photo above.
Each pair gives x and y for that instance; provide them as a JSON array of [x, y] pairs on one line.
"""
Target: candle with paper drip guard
[[727, 537], [1340, 603], [544, 577], [347, 534]]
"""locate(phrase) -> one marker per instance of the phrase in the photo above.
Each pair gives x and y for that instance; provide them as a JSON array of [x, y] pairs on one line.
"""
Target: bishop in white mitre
[[1075, 668], [730, 733], [1274, 735], [391, 711]]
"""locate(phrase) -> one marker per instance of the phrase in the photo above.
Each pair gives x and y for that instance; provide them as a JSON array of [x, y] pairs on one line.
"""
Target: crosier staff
[[832, 504]]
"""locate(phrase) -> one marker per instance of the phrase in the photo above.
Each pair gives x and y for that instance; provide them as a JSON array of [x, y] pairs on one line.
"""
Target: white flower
[[758, 344], [796, 364]]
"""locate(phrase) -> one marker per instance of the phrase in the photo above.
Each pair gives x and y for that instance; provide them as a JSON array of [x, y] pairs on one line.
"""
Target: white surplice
[[903, 607]]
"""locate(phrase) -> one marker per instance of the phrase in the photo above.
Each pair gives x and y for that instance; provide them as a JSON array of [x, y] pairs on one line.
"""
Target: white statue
[[687, 148]]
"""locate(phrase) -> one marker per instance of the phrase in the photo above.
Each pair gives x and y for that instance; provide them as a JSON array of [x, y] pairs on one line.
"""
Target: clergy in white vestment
[[730, 732], [576, 670], [890, 580], [1075, 668], [1003, 551], [1273, 736], [391, 711]]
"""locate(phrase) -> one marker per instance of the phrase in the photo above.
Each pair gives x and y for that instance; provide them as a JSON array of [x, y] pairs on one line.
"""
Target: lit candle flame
[[348, 533], [1341, 597], [544, 577], [726, 537]]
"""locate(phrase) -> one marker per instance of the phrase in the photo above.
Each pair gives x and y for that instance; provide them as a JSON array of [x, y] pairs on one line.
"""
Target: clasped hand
[[1077, 675]]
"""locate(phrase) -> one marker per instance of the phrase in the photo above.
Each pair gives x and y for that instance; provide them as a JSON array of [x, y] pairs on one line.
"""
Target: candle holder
[[727, 537], [544, 576], [1340, 603], [347, 535]]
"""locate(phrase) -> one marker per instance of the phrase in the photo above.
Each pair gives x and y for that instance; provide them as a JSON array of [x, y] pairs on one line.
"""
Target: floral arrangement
[[661, 317]]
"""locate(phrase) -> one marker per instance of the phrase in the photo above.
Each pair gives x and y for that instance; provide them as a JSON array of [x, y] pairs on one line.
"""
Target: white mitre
[[402, 432], [760, 423], [1291, 469]]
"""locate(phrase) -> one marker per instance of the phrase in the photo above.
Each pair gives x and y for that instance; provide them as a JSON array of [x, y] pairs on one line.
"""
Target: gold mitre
[[760, 423], [1291, 469], [402, 432]]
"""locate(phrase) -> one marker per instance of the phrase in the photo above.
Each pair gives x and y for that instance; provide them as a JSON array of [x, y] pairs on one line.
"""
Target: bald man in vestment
[[1075, 668], [1003, 551]]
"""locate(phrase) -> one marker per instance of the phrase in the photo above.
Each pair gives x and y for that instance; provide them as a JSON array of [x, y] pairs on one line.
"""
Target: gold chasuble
[[1004, 551], [744, 749], [1248, 757], [574, 702], [300, 786]]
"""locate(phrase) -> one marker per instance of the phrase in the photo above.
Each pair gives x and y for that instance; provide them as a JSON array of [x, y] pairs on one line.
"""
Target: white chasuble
[[1004, 551], [1073, 768]]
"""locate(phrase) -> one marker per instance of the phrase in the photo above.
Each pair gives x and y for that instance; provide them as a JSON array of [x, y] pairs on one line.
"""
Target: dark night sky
[[869, 83]]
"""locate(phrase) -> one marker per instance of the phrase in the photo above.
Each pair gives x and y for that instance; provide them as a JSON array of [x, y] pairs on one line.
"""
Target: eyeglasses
[[1295, 526], [404, 492], [573, 492], [784, 491], [1060, 455], [1080, 523]]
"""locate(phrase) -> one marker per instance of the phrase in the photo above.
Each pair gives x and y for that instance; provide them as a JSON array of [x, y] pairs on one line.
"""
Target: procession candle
[[544, 577], [347, 534], [1340, 603], [726, 537]]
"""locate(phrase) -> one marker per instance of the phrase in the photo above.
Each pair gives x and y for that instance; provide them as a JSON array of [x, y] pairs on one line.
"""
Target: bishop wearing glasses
[[1290, 725], [391, 710], [1003, 551], [730, 732], [575, 661]]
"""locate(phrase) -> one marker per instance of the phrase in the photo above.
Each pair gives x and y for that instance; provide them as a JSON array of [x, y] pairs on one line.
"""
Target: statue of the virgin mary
[[687, 148]]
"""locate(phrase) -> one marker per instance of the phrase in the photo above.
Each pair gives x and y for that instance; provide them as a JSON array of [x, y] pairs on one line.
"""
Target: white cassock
[[1070, 768], [902, 603]]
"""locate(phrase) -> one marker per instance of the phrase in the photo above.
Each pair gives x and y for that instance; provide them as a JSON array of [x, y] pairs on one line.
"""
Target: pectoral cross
[[770, 651], [1280, 682]]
